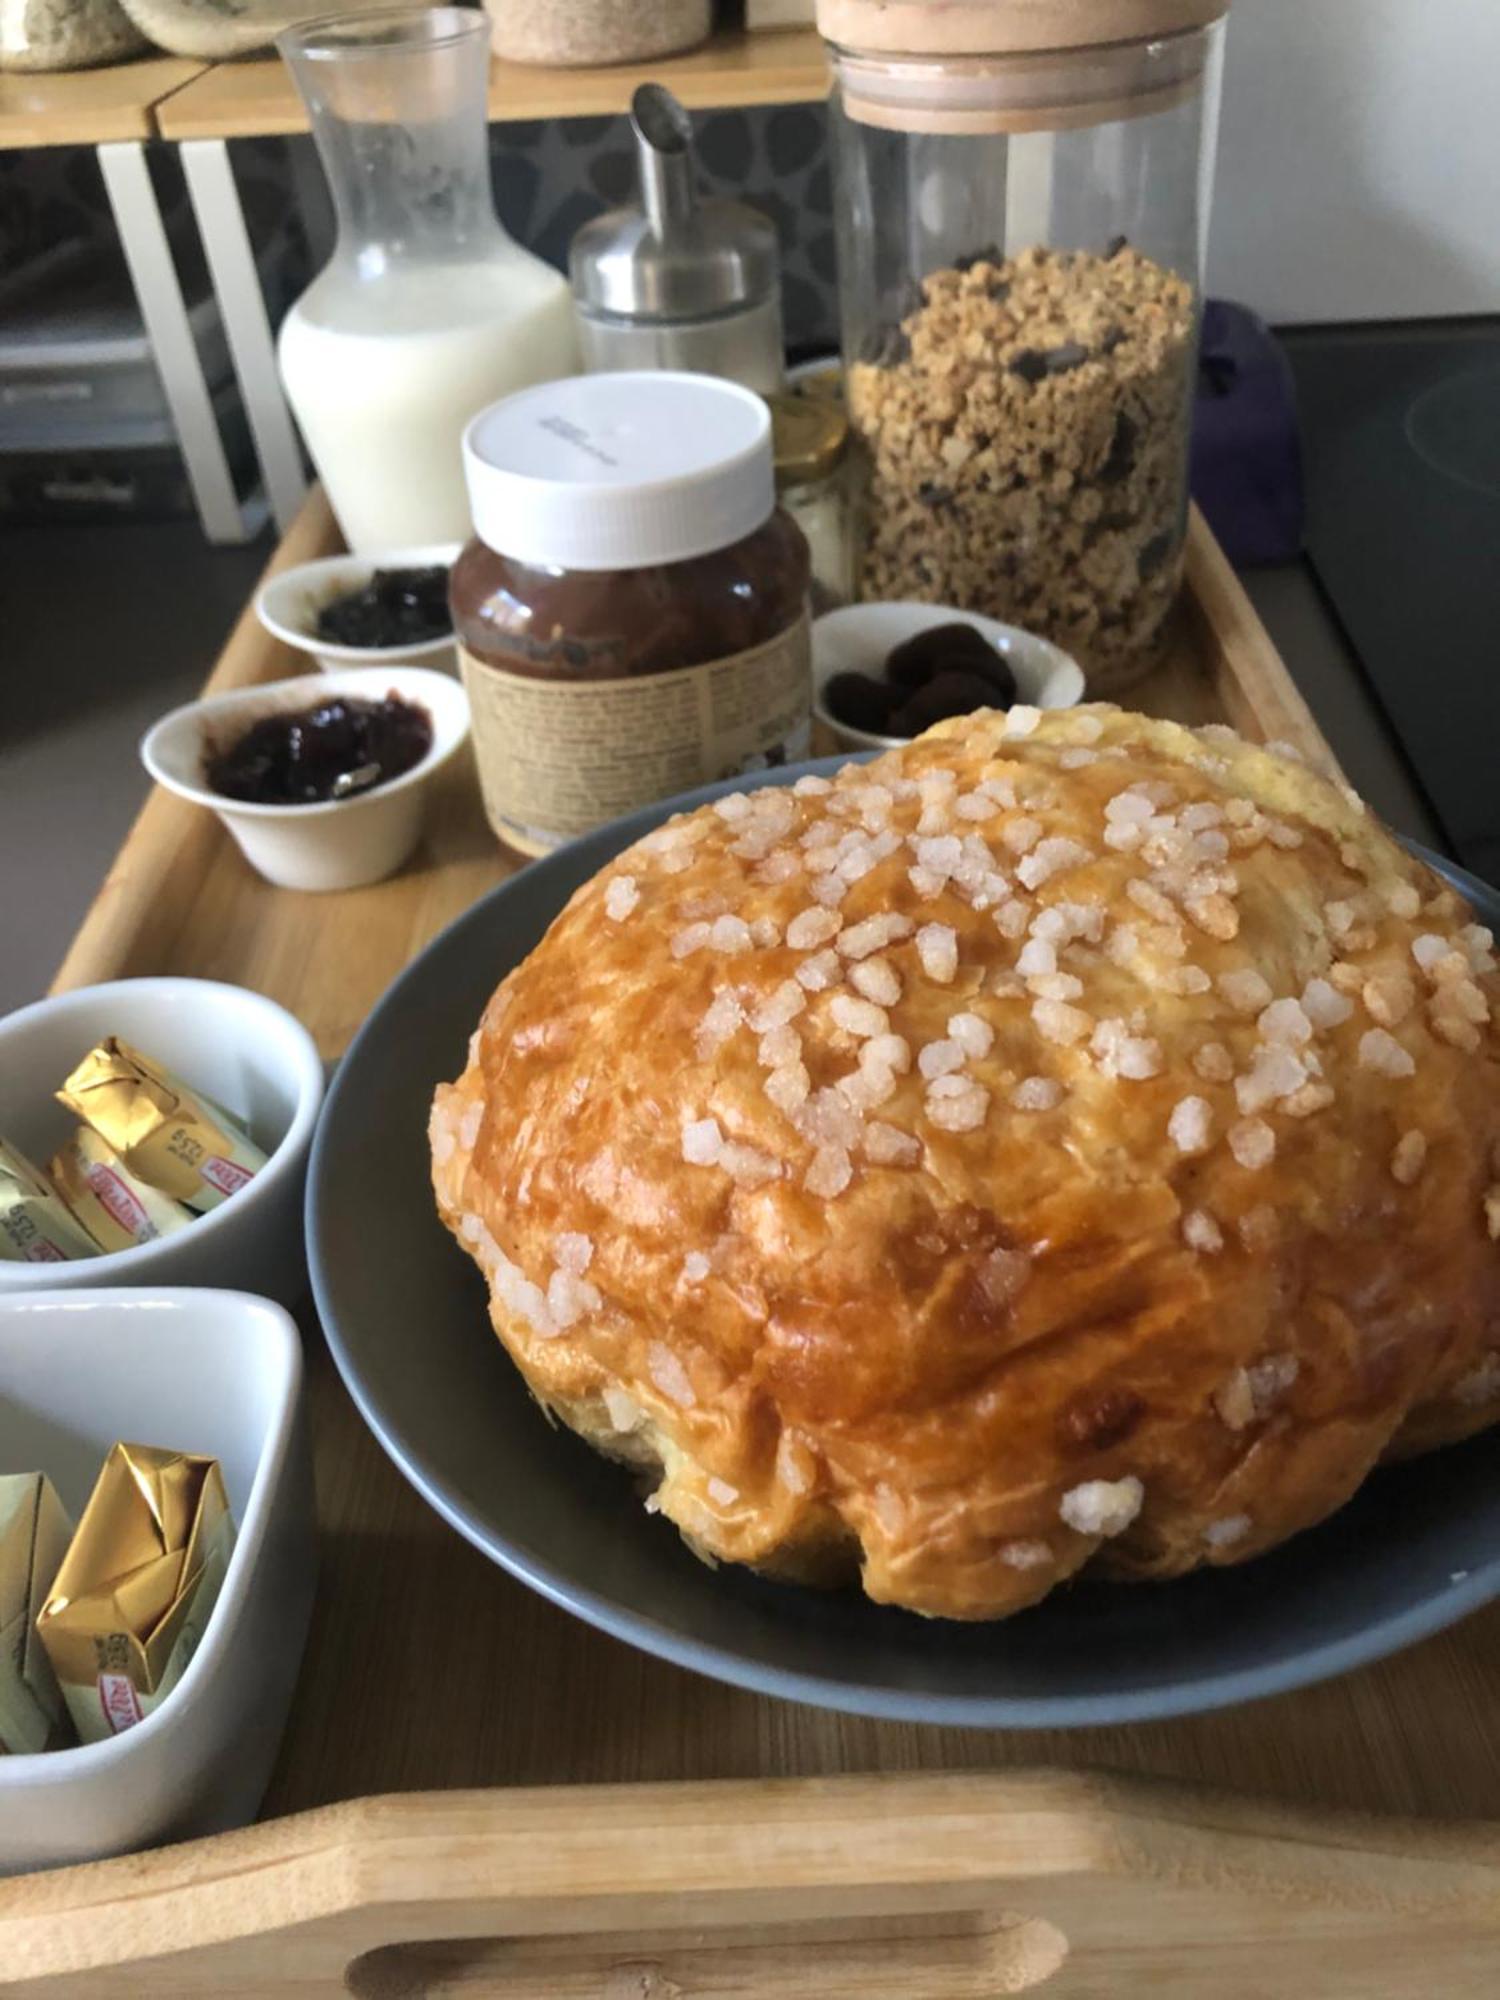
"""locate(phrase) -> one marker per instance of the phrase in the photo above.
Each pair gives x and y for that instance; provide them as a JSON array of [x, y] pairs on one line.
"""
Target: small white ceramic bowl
[[288, 606], [212, 1372], [342, 843], [238, 1048], [857, 639]]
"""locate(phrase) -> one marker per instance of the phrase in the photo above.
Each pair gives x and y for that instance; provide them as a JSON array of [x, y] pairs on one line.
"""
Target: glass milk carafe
[[427, 310]]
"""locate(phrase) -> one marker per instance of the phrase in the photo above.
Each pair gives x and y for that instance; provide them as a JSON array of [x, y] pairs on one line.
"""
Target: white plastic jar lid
[[617, 471]]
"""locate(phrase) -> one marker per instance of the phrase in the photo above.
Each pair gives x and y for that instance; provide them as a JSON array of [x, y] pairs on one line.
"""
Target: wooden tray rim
[[367, 1854]]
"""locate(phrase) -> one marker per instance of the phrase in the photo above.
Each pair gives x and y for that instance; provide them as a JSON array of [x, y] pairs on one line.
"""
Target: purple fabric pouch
[[1246, 465]]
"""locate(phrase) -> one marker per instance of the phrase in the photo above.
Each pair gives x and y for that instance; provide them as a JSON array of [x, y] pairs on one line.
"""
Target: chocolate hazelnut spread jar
[[632, 611]]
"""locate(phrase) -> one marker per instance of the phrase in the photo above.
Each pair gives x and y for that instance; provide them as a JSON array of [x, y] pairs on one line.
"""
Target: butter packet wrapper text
[[165, 1133], [34, 1533], [115, 1206], [35, 1225], [133, 1597]]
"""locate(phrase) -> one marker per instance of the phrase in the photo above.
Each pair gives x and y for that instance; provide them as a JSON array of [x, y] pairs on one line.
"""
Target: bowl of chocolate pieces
[[882, 673]]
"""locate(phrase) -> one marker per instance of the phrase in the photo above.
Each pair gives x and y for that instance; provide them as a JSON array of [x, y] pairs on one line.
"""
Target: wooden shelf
[[256, 97], [88, 107], [173, 98]]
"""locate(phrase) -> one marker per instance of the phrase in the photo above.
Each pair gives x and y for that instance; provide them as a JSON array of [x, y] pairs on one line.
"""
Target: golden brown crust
[[1170, 1314]]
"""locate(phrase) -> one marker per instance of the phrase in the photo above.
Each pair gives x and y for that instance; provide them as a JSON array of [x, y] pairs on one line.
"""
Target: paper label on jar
[[559, 757]]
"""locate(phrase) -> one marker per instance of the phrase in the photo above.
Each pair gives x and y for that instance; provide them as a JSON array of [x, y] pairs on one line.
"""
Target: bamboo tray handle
[[883, 1888]]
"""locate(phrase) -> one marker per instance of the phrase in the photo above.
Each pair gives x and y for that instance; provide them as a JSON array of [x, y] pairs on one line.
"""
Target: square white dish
[[202, 1371]]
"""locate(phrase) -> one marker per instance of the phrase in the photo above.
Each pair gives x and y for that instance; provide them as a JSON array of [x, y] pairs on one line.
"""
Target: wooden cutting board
[[645, 1834]]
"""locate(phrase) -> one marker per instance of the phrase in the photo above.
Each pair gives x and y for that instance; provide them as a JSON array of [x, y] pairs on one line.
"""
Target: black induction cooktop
[[1401, 429]]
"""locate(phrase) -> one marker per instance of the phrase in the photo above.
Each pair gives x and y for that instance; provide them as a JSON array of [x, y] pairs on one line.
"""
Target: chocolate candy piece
[[862, 702], [135, 1589], [954, 647], [182, 1144], [36, 1227], [1153, 555], [114, 1206], [34, 1536], [1121, 455], [956, 692], [1064, 359], [914, 662]]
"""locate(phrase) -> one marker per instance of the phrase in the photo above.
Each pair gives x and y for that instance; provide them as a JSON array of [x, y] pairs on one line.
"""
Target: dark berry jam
[[333, 750], [397, 607]]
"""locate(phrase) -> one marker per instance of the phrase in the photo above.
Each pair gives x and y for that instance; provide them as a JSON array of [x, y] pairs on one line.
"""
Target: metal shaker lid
[[676, 257]]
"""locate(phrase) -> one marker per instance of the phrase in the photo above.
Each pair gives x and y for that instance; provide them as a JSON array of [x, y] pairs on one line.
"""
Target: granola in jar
[[1026, 437]]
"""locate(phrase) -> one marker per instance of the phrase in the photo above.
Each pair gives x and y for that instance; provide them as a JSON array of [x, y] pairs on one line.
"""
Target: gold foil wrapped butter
[[133, 1597], [166, 1135], [34, 1532], [115, 1206], [35, 1225]]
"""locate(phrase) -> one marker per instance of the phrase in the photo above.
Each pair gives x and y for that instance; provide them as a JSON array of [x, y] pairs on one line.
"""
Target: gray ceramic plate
[[405, 1314]]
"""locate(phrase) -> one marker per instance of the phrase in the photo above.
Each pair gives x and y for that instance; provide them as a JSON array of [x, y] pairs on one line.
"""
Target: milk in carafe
[[427, 311], [383, 407]]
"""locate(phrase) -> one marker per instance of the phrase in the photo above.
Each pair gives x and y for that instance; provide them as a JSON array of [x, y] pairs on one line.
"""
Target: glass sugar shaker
[[683, 281]]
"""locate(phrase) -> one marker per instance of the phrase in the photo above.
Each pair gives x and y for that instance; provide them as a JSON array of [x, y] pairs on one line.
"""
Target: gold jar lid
[[809, 435]]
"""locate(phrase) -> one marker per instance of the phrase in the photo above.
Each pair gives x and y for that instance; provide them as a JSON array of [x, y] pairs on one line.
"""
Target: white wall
[[1359, 159]]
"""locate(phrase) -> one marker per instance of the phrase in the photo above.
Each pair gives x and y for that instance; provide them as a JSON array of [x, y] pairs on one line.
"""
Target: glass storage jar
[[1023, 201]]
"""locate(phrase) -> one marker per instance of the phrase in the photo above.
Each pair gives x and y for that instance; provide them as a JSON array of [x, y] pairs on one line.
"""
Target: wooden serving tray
[[650, 1834]]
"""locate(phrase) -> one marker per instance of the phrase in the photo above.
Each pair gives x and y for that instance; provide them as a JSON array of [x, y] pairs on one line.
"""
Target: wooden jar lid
[[1014, 66], [1005, 27]]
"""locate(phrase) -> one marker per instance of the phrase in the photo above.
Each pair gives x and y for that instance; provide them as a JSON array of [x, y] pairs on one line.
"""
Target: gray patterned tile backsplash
[[550, 176]]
